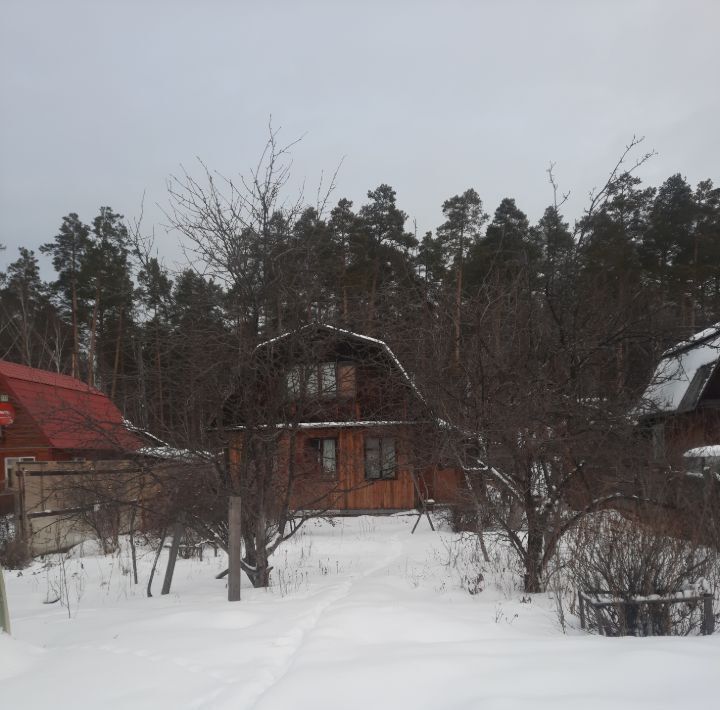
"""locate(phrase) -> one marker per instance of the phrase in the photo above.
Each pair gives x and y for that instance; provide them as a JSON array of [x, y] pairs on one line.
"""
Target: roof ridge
[[693, 341], [16, 371]]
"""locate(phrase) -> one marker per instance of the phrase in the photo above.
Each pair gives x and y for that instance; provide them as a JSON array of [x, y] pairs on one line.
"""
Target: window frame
[[385, 444], [319, 444], [312, 381]]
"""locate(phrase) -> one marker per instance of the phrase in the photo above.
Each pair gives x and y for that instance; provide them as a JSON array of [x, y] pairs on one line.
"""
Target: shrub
[[611, 558], [14, 553]]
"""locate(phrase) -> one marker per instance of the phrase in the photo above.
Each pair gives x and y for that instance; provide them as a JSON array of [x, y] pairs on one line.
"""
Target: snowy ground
[[361, 615]]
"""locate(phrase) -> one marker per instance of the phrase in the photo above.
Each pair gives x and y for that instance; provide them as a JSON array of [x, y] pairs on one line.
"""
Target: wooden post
[[581, 609], [234, 549], [4, 613], [708, 616], [422, 510], [177, 536]]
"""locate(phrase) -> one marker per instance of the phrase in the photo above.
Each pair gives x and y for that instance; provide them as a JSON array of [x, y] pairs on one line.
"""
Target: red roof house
[[45, 416]]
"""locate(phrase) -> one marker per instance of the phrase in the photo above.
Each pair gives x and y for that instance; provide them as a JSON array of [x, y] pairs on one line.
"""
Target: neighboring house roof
[[69, 413], [703, 452], [683, 373]]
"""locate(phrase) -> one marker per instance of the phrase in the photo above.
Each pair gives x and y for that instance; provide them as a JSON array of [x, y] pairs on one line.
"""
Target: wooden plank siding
[[349, 489]]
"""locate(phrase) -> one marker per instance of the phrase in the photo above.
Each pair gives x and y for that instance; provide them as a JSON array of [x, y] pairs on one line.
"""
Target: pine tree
[[344, 226], [610, 238], [200, 358], [28, 313], [107, 271], [667, 243], [431, 261], [464, 218], [69, 252], [554, 237], [386, 248], [508, 243], [156, 296]]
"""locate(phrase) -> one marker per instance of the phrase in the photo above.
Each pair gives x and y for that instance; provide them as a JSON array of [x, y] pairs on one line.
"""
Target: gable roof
[[683, 373], [69, 413]]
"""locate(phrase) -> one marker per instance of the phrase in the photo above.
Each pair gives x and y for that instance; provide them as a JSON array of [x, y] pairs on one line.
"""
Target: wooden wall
[[56, 500], [350, 490], [691, 429], [22, 438]]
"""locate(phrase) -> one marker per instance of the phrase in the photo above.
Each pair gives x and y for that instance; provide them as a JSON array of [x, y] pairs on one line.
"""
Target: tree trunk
[[234, 549], [533, 559], [142, 389], [158, 369], [116, 364], [178, 532], [371, 299], [133, 552], [93, 332], [255, 563], [458, 312], [478, 515], [155, 561], [76, 344]]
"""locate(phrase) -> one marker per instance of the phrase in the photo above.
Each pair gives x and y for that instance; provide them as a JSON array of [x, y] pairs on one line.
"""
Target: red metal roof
[[70, 414]]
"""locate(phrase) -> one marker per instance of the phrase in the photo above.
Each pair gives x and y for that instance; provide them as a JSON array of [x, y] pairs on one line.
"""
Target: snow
[[329, 424], [676, 370], [713, 330], [173, 454], [703, 452], [361, 614]]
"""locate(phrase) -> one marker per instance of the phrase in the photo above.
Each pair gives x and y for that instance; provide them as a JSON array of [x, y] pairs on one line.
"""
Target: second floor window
[[312, 381]]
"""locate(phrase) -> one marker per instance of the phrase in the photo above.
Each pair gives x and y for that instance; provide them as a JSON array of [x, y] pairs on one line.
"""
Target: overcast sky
[[101, 101]]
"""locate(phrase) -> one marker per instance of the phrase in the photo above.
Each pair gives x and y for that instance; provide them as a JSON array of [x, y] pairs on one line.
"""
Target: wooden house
[[352, 432], [680, 418], [681, 405], [45, 416]]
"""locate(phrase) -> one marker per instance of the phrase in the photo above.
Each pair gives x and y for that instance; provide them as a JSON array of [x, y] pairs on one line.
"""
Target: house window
[[312, 381], [324, 455], [380, 460]]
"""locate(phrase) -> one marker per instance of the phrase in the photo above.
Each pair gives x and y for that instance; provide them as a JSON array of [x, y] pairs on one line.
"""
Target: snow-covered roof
[[330, 425], [135, 429], [170, 453], [703, 452], [683, 373]]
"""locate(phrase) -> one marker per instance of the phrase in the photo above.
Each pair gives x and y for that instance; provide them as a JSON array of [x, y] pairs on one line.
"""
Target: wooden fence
[[655, 620]]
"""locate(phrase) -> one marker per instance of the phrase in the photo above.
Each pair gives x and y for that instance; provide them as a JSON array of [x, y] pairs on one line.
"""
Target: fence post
[[581, 608], [708, 616], [4, 613], [234, 549]]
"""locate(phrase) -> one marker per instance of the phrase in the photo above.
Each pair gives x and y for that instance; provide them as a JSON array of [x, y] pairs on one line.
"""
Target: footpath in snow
[[361, 615]]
